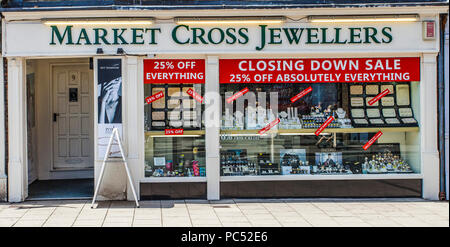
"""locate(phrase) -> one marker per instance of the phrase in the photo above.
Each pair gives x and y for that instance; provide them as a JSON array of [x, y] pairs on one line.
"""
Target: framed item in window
[[405, 112], [357, 102], [361, 121], [356, 89], [390, 87], [409, 120], [392, 121], [372, 90], [402, 93], [369, 99], [358, 113], [389, 112], [373, 113], [376, 121], [387, 101]]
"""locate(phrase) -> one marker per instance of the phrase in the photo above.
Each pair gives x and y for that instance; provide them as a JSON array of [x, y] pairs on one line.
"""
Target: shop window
[[291, 146], [174, 133]]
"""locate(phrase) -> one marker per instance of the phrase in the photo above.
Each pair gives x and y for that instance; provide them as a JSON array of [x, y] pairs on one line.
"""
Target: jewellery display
[[408, 120], [372, 90], [376, 121], [336, 152], [385, 162], [181, 168], [405, 112], [387, 101], [158, 115], [158, 124], [174, 115], [390, 87], [175, 124], [235, 163], [392, 120], [359, 101], [356, 89], [289, 119], [160, 103], [294, 158], [373, 113], [329, 163], [388, 112], [266, 166], [403, 95], [384, 111], [293, 161], [174, 157], [175, 109], [173, 103], [369, 99], [358, 113], [362, 121]]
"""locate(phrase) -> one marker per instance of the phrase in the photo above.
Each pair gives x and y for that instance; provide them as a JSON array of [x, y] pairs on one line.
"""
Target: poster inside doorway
[[109, 100]]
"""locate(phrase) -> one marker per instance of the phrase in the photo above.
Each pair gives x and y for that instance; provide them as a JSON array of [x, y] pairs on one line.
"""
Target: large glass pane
[[292, 147], [174, 134]]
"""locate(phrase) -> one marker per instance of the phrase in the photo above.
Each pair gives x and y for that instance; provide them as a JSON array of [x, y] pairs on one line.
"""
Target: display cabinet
[[292, 147], [174, 134]]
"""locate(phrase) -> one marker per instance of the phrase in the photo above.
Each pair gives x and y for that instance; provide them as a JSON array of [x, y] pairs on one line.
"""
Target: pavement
[[228, 213]]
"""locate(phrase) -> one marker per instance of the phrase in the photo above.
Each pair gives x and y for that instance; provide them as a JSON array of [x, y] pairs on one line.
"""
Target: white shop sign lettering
[[35, 38]]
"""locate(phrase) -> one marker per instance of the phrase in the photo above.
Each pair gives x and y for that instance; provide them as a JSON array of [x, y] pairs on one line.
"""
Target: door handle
[[55, 115]]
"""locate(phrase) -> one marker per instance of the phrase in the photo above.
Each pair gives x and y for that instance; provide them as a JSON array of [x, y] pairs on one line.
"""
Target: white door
[[72, 116]]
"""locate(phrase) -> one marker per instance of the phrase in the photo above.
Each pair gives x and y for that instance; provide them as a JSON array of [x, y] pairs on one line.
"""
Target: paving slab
[[395, 212]]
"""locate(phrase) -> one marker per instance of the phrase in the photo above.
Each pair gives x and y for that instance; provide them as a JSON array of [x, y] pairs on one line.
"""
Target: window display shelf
[[186, 133], [331, 130], [172, 179], [319, 177]]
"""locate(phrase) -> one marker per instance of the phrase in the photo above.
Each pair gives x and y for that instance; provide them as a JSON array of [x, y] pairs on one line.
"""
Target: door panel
[[73, 123]]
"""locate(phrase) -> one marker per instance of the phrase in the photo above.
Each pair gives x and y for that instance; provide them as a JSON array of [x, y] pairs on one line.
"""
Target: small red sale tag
[[269, 126], [301, 94], [237, 95], [324, 125], [371, 141], [173, 131], [195, 95], [154, 97], [379, 96]]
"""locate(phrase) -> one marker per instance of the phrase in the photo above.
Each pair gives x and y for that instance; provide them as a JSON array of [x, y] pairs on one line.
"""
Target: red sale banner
[[317, 70], [154, 97], [301, 94], [174, 71], [324, 125], [237, 95], [379, 96], [371, 141], [195, 95], [269, 126], [173, 131]]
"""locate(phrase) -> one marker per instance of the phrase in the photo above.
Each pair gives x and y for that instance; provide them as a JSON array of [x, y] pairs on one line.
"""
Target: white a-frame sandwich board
[[114, 135]]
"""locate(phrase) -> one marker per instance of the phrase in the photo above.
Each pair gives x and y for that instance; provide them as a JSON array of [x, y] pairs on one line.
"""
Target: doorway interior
[[60, 128]]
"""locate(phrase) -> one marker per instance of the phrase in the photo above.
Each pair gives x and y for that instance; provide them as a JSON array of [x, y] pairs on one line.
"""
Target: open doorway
[[60, 127]]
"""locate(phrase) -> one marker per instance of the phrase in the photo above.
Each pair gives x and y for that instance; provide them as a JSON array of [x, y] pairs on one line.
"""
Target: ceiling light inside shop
[[229, 20], [96, 21], [379, 18]]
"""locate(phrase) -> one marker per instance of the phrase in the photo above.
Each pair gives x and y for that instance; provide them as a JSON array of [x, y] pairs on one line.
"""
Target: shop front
[[299, 103]]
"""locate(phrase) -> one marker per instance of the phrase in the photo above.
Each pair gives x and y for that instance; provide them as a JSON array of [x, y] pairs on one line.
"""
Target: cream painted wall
[[3, 184], [31, 131]]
